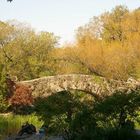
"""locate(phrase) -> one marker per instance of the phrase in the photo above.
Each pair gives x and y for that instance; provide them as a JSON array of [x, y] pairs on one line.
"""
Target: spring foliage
[[107, 46]]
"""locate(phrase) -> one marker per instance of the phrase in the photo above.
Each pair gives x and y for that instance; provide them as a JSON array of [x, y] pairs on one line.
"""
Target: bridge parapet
[[96, 86]]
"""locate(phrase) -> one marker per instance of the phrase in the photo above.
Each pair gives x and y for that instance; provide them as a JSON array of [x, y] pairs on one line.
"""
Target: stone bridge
[[93, 85]]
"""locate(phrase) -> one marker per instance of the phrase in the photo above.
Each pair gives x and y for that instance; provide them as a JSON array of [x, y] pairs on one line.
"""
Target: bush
[[121, 109], [120, 134], [111, 118], [21, 101], [3, 90]]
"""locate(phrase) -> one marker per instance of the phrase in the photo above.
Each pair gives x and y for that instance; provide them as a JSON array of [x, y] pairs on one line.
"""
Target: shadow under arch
[[61, 105]]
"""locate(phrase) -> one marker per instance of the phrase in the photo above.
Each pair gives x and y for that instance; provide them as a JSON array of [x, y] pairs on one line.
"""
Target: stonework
[[93, 85]]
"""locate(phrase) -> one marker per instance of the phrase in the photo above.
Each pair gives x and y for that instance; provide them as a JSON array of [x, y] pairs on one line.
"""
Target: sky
[[62, 17]]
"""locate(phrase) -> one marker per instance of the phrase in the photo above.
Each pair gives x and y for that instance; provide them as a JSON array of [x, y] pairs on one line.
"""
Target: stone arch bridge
[[93, 85]]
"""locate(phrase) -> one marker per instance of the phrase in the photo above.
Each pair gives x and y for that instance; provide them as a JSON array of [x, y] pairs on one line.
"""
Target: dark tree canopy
[[9, 0]]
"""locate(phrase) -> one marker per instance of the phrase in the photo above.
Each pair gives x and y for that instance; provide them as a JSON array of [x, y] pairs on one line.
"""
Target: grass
[[98, 79], [12, 123], [137, 126]]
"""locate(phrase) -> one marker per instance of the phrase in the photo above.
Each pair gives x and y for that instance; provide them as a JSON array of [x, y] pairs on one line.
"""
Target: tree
[[107, 46], [112, 117], [59, 110], [112, 24], [120, 108], [26, 54], [5, 33]]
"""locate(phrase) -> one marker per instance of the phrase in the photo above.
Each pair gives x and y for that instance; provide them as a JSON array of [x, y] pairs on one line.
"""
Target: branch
[[79, 61], [9, 58]]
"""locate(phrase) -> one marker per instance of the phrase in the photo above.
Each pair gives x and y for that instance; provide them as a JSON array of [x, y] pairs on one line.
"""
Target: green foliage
[[3, 90], [121, 134], [24, 53], [113, 117], [58, 110], [112, 24], [3, 104], [83, 125], [121, 108], [98, 79], [107, 46]]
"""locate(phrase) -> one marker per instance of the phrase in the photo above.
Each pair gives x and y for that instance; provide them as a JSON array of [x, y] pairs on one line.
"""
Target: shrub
[[21, 101], [3, 90]]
